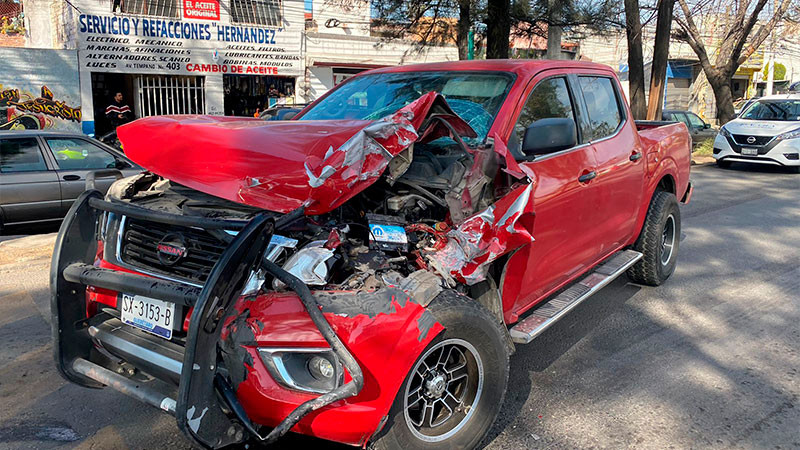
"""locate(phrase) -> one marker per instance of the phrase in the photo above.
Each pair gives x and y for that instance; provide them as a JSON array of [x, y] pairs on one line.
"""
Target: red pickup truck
[[362, 272]]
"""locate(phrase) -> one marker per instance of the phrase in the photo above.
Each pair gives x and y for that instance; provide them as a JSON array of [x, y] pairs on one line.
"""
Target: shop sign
[[129, 44], [201, 9]]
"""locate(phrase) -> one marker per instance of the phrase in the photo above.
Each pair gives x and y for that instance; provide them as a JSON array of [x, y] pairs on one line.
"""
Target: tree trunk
[[658, 73], [462, 28], [723, 97], [635, 59], [498, 28], [553, 42], [553, 31]]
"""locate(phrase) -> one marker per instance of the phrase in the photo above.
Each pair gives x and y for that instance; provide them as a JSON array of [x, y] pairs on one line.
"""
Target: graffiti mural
[[40, 89], [22, 110]]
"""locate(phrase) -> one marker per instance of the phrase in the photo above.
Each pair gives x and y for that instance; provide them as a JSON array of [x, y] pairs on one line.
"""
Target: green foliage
[[780, 72], [705, 148]]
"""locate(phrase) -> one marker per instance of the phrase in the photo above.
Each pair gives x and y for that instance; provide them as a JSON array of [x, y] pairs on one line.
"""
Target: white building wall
[[325, 51], [341, 17], [37, 23]]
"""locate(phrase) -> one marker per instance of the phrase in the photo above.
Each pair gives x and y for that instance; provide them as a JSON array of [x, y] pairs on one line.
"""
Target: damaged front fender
[[385, 330]]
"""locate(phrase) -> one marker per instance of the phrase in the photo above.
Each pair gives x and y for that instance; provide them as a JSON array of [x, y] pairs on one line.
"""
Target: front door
[[563, 206], [29, 191], [76, 157]]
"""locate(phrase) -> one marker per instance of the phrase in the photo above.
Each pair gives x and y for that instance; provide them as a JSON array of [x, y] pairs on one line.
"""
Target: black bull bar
[[208, 419]]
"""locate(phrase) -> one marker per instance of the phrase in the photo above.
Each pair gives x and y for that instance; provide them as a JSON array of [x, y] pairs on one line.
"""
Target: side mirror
[[120, 164], [706, 126], [549, 135]]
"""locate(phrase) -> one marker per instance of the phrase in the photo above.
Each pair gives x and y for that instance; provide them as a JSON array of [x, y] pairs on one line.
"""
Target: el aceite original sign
[[201, 9]]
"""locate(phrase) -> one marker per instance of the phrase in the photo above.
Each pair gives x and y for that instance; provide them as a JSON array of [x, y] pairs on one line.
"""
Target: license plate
[[148, 314], [749, 151]]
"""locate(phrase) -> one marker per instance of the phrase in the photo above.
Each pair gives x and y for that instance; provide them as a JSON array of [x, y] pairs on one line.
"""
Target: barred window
[[256, 12], [162, 8]]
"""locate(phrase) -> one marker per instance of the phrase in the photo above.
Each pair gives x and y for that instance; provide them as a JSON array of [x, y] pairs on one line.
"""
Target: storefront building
[[217, 57]]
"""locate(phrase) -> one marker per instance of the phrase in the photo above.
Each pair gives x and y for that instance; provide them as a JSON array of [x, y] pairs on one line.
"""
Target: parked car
[[281, 112], [363, 272], [698, 128], [767, 132], [42, 173]]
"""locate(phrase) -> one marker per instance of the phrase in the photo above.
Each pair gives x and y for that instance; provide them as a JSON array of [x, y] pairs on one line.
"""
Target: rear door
[[563, 206], [76, 157], [29, 189], [618, 155]]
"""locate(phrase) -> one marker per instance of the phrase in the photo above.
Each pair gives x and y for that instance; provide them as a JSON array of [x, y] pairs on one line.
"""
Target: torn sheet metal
[[486, 236], [386, 337], [282, 165]]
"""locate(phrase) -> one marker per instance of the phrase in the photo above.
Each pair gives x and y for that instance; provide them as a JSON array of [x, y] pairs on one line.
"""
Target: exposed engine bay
[[383, 233]]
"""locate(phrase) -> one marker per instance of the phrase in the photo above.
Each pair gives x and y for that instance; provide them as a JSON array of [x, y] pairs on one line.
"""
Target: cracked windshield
[[476, 98]]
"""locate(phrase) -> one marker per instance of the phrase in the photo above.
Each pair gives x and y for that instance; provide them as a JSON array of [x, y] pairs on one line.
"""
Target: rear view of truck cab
[[361, 274]]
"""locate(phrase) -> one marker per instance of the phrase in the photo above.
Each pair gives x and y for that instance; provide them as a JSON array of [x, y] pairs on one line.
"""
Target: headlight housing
[[724, 132], [316, 370], [788, 135]]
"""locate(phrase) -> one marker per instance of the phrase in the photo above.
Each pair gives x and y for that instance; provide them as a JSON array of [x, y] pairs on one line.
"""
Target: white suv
[[767, 131]]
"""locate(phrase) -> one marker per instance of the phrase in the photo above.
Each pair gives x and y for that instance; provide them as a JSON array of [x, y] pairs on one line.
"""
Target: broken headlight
[[316, 370]]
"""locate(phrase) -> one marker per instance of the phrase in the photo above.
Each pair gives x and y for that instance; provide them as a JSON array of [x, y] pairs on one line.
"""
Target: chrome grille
[[139, 248]]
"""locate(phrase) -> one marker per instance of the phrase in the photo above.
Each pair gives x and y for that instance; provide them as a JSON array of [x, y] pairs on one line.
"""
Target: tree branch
[[691, 36], [764, 31]]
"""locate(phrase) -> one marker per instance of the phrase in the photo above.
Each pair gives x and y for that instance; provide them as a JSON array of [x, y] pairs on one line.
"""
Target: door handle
[[71, 177], [635, 156], [587, 177]]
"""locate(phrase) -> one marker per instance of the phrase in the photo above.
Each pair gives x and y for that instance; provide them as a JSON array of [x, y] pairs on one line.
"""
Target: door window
[[695, 122], [605, 115], [20, 155], [77, 154], [549, 99]]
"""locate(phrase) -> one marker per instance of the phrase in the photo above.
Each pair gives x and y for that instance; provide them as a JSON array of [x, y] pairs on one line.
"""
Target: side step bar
[[556, 308]]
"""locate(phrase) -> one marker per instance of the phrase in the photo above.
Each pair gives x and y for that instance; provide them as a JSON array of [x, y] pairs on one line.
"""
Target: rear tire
[[475, 371], [658, 241]]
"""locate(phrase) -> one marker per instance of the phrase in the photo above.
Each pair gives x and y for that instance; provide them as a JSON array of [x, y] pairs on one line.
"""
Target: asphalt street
[[709, 359]]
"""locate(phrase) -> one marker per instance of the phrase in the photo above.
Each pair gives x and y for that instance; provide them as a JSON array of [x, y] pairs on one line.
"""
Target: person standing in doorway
[[118, 112]]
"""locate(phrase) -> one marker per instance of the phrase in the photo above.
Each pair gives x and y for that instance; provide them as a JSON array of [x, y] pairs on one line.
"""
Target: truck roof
[[518, 66]]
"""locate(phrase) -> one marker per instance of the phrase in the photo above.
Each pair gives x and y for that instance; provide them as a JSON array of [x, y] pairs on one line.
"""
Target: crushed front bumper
[[205, 404]]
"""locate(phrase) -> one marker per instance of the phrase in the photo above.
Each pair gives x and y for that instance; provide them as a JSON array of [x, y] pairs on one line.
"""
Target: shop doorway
[[104, 87], [246, 95], [147, 95]]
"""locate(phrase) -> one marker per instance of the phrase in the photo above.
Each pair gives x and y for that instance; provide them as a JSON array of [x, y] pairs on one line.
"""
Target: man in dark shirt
[[118, 113]]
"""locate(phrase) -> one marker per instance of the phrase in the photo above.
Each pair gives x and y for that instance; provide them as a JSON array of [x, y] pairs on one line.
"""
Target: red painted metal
[[278, 165]]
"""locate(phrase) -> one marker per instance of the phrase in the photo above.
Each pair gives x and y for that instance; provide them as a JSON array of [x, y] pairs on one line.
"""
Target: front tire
[[658, 241], [722, 164], [456, 387]]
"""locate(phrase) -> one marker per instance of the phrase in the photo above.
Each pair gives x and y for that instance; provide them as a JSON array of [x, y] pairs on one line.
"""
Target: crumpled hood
[[280, 165], [760, 127]]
